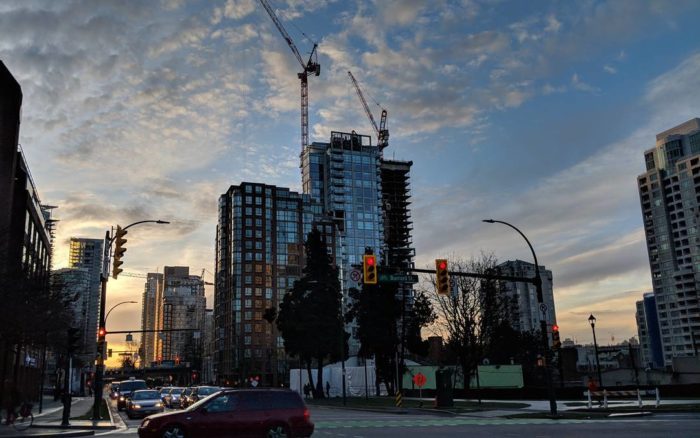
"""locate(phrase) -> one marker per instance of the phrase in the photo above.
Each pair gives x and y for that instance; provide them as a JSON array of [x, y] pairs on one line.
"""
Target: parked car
[[144, 402], [185, 397], [172, 398], [258, 412], [126, 388], [114, 391], [200, 392]]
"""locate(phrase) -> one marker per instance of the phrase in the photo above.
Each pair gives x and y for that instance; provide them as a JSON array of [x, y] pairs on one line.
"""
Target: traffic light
[[119, 251], [556, 342], [109, 352], [73, 340], [442, 281], [369, 269], [101, 333]]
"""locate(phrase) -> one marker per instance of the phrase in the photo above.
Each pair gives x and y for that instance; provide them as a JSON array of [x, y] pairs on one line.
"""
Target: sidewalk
[[80, 406]]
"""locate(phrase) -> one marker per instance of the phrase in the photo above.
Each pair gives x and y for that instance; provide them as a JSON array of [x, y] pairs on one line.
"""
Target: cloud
[[609, 69], [237, 9], [578, 84], [553, 25]]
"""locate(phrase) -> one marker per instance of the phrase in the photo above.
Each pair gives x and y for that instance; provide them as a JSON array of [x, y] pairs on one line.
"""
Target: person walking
[[328, 389]]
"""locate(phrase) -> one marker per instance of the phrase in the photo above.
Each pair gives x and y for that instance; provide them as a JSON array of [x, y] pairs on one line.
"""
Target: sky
[[536, 113]]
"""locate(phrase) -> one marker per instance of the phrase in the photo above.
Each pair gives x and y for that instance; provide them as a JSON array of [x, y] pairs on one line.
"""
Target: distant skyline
[[536, 113]]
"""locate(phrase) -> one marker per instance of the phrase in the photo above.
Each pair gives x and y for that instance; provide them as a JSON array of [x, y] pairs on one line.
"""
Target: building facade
[[648, 331], [523, 308], [344, 176], [150, 318], [88, 254], [668, 193], [259, 255], [182, 307], [26, 241]]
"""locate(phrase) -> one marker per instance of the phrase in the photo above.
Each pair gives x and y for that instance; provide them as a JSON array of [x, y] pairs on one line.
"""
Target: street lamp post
[[543, 322], [592, 320], [117, 305], [99, 368]]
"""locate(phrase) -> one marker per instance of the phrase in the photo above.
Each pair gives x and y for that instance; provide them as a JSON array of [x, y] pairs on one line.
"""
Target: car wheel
[[278, 431], [174, 432]]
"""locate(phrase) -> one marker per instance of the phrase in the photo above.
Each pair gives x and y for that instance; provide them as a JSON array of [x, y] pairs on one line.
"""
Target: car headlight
[[121, 398], [136, 406], [158, 405], [145, 422]]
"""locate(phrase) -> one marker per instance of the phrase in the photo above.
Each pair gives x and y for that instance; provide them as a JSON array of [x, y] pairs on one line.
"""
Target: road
[[338, 423]]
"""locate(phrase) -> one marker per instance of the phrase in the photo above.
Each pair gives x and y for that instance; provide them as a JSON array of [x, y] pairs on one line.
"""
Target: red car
[[235, 413]]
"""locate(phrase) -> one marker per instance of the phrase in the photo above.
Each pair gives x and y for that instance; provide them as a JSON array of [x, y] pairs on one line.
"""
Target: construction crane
[[310, 67], [382, 131]]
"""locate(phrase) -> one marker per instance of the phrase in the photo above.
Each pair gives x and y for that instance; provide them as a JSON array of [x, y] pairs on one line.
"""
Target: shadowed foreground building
[[26, 242]]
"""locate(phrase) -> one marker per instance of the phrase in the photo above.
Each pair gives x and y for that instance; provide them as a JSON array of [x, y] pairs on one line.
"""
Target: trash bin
[[443, 388]]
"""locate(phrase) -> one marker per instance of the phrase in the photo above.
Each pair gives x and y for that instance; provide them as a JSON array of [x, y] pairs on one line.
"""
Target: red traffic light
[[555, 328], [101, 332], [370, 261], [442, 265]]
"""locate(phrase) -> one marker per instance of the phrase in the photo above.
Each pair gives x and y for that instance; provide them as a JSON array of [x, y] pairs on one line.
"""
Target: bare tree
[[469, 318]]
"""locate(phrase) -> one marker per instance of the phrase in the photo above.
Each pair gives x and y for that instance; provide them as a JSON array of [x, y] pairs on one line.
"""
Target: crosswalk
[[438, 422]]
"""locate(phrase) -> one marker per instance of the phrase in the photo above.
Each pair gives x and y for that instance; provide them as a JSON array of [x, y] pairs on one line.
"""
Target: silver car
[[144, 402], [172, 398]]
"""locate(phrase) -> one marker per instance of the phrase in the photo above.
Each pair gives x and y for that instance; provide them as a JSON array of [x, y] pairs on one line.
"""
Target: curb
[[72, 427], [631, 414], [54, 433]]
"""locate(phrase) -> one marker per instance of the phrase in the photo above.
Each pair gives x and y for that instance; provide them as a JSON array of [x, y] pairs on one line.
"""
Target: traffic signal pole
[[99, 368]]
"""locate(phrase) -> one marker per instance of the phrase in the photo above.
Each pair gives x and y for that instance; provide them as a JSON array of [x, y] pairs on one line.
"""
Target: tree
[[470, 318], [377, 311], [310, 319]]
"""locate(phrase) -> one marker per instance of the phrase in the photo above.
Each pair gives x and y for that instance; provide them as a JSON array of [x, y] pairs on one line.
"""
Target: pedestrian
[[306, 390], [328, 389], [12, 403]]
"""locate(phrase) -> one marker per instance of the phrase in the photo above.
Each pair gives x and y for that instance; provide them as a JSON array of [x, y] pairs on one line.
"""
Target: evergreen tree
[[310, 319]]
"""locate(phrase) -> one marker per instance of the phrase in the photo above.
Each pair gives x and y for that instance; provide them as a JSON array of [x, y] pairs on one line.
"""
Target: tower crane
[[382, 131], [310, 67]]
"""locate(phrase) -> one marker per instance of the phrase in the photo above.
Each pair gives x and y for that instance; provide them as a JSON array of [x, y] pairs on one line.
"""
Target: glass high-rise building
[[87, 254], [668, 193], [259, 255], [344, 175]]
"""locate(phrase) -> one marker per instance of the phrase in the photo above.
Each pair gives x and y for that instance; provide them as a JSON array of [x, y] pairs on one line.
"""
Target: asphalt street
[[362, 424]]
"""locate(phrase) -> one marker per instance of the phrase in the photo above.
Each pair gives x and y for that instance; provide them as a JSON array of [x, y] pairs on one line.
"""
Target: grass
[[388, 403], [104, 412]]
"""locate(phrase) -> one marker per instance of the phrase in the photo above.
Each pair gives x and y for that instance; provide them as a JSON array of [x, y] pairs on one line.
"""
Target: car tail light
[[307, 414]]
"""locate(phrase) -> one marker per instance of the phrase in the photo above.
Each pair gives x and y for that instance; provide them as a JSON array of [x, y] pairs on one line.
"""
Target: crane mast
[[381, 130], [310, 67]]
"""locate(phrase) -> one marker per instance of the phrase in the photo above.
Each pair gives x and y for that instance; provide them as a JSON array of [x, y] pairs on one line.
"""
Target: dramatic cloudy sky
[[536, 113]]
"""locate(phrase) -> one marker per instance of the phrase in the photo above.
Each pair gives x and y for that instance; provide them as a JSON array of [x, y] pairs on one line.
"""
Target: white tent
[[355, 382]]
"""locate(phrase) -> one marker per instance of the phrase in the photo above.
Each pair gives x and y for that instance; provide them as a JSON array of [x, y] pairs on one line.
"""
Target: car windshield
[[146, 395], [132, 385], [199, 403], [176, 391], [207, 390], [187, 391], [165, 390]]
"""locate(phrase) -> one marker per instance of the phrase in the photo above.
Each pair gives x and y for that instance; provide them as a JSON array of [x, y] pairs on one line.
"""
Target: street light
[[117, 305], [592, 320], [99, 368], [543, 322]]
